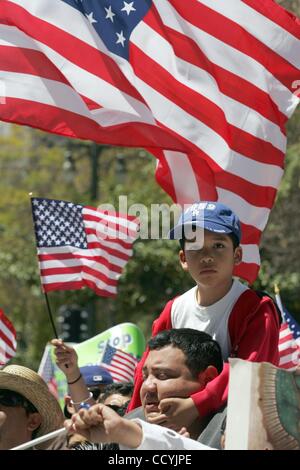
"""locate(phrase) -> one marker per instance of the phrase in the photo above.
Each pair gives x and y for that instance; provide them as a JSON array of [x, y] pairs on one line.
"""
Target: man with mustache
[[180, 362]]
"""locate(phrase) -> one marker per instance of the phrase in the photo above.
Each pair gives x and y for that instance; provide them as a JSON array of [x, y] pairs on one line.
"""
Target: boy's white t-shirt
[[187, 313]]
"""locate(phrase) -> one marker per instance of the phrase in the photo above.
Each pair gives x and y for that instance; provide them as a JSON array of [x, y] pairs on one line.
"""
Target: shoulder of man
[[211, 435]]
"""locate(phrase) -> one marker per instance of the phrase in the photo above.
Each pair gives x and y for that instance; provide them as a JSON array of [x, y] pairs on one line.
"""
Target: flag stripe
[[275, 14], [116, 264]]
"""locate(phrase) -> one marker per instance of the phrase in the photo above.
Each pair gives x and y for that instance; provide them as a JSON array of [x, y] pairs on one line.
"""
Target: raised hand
[[66, 359]]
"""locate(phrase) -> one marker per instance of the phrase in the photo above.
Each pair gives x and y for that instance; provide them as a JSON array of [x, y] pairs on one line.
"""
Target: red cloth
[[254, 332]]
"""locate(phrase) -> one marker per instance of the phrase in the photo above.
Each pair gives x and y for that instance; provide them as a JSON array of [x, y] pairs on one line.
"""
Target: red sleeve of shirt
[[254, 337], [163, 322]]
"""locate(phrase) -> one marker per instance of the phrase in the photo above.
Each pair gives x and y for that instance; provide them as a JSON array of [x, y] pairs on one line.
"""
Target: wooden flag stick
[[50, 315]]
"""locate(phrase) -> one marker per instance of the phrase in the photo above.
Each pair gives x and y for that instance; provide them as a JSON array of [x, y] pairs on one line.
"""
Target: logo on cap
[[97, 378]]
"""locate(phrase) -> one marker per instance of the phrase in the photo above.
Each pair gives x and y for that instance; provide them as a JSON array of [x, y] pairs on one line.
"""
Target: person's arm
[[67, 361], [153, 437], [258, 343], [163, 322], [102, 424]]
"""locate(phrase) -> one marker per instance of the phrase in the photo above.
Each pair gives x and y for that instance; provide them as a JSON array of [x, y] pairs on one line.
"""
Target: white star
[[128, 7], [121, 38], [109, 14], [90, 18]]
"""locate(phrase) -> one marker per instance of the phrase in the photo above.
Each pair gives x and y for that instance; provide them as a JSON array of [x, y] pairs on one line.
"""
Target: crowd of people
[[180, 391]]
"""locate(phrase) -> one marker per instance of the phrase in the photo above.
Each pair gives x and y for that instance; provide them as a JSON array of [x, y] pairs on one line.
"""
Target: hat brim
[[39, 396], [179, 231]]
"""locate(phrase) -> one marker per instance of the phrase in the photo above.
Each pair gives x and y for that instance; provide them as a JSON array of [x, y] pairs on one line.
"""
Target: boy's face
[[210, 261]]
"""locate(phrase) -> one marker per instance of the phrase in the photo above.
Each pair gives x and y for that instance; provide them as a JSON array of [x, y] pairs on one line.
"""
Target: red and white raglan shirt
[[244, 324]]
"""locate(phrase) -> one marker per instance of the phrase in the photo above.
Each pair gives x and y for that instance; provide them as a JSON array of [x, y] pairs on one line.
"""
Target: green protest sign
[[125, 336]]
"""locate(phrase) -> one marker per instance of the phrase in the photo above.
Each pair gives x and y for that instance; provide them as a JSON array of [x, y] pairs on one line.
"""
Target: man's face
[[165, 375], [14, 428], [16, 424], [211, 259]]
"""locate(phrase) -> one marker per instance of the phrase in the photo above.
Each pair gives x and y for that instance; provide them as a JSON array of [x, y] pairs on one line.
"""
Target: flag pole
[[50, 315], [47, 300], [278, 298]]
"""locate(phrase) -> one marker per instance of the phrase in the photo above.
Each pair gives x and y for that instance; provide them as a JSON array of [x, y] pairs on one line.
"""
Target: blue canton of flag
[[58, 223], [114, 20], [293, 325]]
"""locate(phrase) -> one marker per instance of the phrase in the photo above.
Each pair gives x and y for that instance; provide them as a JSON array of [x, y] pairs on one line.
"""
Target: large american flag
[[81, 246], [289, 339], [206, 85], [120, 364], [8, 343]]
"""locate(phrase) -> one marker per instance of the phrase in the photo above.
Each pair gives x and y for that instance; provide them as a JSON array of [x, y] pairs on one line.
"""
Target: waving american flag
[[81, 246], [289, 339], [206, 85], [8, 343]]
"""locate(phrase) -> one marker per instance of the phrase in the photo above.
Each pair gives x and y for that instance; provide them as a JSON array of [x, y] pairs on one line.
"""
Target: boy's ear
[[182, 260], [238, 255]]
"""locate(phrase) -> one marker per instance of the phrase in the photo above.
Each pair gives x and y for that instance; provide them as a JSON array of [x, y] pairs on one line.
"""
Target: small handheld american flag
[[81, 246], [120, 364]]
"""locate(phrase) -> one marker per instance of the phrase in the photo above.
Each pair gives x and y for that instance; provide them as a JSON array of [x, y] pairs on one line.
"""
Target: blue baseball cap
[[210, 215], [95, 375]]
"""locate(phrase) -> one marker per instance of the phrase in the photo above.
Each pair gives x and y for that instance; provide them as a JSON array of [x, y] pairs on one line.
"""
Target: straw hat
[[29, 384]]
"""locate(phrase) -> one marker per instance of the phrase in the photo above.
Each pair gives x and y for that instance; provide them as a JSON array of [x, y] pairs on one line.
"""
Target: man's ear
[[238, 255], [34, 421], [207, 375], [182, 260]]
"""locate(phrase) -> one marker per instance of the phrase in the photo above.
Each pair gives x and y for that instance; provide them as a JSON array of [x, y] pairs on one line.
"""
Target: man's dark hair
[[234, 240], [124, 389], [199, 348]]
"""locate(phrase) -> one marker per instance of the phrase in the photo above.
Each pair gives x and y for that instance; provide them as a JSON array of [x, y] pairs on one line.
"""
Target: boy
[[244, 324]]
